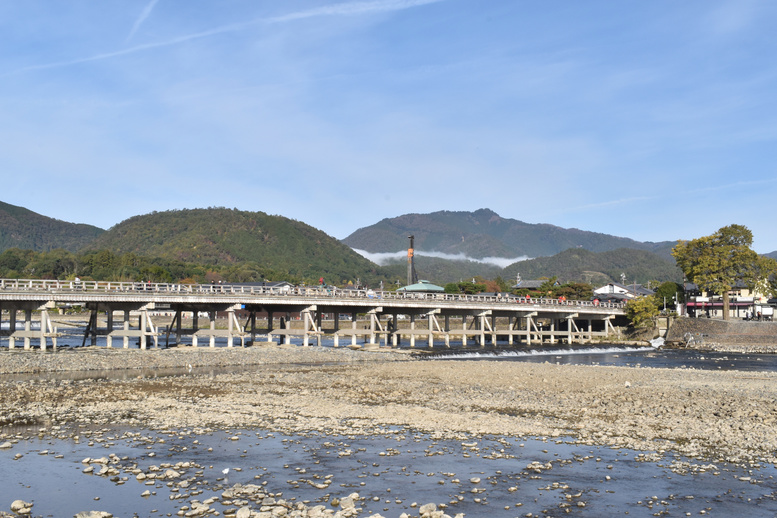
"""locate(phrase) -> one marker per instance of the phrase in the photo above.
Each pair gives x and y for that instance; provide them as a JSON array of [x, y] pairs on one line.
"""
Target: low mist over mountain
[[22, 228], [484, 233], [441, 271]]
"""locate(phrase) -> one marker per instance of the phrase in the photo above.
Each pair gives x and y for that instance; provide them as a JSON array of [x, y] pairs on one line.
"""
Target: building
[[529, 284], [742, 302], [618, 291], [422, 287]]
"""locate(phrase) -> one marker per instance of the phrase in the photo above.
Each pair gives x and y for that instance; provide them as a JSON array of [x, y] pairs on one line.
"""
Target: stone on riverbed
[[21, 507]]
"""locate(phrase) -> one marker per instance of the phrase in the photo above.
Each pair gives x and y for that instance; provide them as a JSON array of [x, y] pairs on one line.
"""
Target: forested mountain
[[580, 265], [484, 233], [240, 246], [441, 271], [25, 229], [219, 236]]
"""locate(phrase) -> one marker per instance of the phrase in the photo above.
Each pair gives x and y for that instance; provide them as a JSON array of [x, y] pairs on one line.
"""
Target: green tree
[[642, 312], [573, 291], [547, 286], [766, 275], [56, 264], [14, 261], [502, 285], [466, 288], [715, 263], [670, 293]]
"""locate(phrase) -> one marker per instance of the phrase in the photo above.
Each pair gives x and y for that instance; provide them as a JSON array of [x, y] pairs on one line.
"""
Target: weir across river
[[307, 313]]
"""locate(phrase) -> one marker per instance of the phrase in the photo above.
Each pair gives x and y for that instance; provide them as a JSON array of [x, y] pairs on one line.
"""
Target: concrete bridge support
[[27, 334], [395, 330]]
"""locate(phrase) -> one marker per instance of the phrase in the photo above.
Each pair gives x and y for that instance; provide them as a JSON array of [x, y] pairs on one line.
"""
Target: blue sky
[[654, 120]]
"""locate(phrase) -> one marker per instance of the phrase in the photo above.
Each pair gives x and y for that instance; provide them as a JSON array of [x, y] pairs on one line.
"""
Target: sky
[[654, 120]]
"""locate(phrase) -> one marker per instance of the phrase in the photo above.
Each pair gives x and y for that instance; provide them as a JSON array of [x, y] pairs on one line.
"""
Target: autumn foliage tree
[[642, 312]]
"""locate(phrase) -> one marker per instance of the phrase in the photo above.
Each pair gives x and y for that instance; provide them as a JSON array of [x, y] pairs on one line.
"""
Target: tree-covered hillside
[[23, 228], [580, 265], [219, 236], [441, 271], [241, 246], [484, 233]]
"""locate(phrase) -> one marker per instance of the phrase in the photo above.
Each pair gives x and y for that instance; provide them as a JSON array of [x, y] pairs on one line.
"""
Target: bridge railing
[[79, 286]]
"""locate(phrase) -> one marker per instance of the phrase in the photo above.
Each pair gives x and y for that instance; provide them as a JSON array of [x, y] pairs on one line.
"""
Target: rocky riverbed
[[90, 359], [708, 415]]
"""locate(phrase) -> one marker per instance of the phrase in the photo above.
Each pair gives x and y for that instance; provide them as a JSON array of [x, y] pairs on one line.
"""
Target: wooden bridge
[[375, 316]]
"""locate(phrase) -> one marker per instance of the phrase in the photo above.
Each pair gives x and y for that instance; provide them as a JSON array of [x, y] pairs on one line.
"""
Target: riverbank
[[724, 336], [718, 416], [91, 359]]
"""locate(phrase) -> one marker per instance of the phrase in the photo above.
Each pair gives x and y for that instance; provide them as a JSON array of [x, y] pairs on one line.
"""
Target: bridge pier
[[464, 330], [234, 329], [395, 334], [353, 328], [144, 329], [27, 334], [412, 331], [447, 331], [27, 327]]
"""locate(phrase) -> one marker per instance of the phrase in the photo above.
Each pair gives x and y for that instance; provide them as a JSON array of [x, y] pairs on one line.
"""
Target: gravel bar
[[715, 415]]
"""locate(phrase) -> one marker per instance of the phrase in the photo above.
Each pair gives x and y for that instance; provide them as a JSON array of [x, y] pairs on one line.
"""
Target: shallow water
[[391, 471], [398, 468], [624, 357], [603, 354]]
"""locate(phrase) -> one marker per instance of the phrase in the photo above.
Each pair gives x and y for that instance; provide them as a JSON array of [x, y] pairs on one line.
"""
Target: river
[[396, 471]]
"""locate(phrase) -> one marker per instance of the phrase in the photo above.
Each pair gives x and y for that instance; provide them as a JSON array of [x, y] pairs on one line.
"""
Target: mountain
[[579, 264], [219, 236], [484, 233], [440, 271], [22, 228], [281, 248]]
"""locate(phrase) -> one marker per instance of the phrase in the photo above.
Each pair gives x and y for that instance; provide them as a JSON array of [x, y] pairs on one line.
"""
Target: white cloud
[[352, 9]]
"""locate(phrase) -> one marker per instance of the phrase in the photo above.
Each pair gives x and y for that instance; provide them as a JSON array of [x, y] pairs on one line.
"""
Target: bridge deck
[[310, 303]]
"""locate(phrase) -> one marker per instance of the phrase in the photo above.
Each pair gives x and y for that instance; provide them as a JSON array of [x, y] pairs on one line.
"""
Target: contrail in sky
[[342, 9], [353, 8], [142, 18]]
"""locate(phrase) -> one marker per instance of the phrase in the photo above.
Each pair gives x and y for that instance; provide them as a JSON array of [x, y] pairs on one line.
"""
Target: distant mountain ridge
[[280, 247], [28, 230], [580, 265], [229, 236], [483, 233]]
